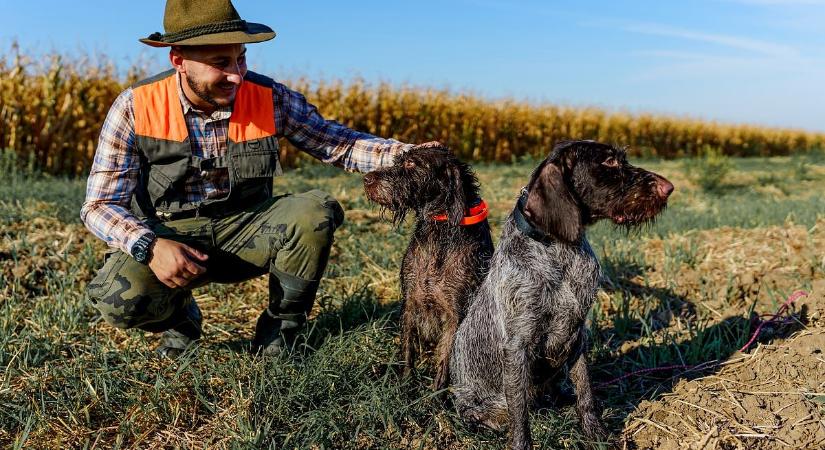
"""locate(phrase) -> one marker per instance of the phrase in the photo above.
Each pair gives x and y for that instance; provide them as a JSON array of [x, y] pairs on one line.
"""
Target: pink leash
[[782, 309]]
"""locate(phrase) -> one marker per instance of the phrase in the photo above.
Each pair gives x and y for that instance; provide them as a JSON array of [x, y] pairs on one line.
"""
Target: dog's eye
[[409, 164], [611, 162]]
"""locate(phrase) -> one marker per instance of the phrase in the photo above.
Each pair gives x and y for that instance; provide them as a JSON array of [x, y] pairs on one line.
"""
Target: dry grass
[[683, 291]]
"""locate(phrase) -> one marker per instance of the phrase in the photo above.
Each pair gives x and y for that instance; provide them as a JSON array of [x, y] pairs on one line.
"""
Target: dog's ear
[[456, 200], [551, 206]]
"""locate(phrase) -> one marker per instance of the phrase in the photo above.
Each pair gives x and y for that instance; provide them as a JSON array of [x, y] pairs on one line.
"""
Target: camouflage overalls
[[288, 237]]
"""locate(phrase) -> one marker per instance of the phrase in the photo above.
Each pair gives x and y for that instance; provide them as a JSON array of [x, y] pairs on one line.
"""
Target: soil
[[731, 268], [772, 397]]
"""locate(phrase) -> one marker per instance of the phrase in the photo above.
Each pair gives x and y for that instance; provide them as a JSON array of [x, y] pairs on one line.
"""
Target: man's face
[[213, 73]]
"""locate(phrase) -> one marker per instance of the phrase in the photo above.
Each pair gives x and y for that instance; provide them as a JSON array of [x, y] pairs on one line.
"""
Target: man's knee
[[316, 217], [118, 311], [125, 296]]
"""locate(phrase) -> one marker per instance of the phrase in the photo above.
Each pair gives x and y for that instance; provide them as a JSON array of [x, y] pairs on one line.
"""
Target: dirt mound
[[770, 398], [738, 265]]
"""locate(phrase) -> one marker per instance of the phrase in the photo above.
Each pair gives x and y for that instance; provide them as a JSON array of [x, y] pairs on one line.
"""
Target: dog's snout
[[664, 187], [369, 179]]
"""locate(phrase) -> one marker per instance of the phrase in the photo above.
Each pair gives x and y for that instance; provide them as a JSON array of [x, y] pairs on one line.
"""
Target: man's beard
[[201, 91]]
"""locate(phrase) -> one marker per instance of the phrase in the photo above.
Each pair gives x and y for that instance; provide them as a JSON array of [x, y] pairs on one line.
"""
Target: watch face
[[141, 249], [140, 255]]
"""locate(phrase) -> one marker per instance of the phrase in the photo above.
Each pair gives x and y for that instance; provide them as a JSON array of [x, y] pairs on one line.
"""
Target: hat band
[[200, 30]]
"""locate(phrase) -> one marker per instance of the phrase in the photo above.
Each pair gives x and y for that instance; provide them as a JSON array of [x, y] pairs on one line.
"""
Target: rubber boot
[[184, 335], [290, 300]]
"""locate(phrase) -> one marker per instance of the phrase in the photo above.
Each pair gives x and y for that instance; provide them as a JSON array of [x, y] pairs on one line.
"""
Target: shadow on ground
[[636, 367]]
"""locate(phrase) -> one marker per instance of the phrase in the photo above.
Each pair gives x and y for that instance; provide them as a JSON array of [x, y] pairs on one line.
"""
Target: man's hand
[[176, 264], [431, 144]]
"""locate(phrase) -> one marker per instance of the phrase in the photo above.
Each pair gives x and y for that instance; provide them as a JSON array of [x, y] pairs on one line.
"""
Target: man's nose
[[234, 74]]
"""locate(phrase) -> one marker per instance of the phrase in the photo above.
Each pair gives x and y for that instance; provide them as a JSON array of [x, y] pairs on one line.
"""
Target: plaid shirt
[[114, 174]]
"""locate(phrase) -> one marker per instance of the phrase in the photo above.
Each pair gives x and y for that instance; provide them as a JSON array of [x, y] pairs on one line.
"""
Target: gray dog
[[528, 317]]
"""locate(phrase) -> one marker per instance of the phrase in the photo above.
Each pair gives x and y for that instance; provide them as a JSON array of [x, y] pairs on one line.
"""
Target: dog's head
[[428, 181], [581, 182]]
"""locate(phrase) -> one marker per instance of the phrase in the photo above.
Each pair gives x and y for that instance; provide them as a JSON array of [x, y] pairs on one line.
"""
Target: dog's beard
[[640, 221], [397, 214]]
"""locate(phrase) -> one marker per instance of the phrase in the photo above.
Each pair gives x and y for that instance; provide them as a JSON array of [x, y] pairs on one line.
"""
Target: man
[[181, 185]]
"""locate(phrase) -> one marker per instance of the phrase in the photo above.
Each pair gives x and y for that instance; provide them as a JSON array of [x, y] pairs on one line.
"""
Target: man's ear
[[176, 58], [550, 205]]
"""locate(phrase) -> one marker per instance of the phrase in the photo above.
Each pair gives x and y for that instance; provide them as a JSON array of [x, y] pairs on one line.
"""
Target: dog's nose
[[664, 187]]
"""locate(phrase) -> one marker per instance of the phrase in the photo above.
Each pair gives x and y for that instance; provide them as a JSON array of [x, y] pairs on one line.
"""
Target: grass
[[67, 380]]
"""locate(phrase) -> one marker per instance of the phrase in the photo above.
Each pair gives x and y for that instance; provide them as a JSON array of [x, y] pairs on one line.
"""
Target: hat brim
[[256, 33]]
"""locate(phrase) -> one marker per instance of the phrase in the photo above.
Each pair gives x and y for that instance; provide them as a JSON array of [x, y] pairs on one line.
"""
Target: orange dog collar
[[474, 215]]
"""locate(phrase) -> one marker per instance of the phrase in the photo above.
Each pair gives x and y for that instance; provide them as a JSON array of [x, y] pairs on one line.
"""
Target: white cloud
[[737, 42], [780, 2]]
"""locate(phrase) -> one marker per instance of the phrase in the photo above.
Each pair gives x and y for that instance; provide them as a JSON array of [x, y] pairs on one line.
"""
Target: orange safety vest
[[162, 137]]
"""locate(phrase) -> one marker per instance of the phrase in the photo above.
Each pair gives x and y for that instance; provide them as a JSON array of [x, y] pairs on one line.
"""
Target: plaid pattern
[[114, 174]]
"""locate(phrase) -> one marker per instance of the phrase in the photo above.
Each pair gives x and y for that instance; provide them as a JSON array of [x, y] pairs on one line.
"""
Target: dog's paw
[[595, 430], [521, 442]]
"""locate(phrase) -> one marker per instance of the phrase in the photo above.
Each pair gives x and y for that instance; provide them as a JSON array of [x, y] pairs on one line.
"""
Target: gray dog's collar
[[523, 224]]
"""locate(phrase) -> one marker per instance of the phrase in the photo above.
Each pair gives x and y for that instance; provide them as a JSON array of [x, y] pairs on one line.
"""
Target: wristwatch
[[142, 248]]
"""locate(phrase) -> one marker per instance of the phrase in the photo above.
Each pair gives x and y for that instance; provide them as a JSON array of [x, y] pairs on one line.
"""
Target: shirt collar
[[188, 107]]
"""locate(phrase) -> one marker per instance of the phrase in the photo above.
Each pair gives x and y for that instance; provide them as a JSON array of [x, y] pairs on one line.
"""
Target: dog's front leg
[[587, 406], [443, 351], [517, 369], [408, 340]]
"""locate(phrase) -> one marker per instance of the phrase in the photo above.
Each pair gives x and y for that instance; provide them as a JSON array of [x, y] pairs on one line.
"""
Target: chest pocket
[[163, 179], [256, 159]]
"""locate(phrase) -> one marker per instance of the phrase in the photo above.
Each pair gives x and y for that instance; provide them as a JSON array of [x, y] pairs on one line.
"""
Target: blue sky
[[741, 61]]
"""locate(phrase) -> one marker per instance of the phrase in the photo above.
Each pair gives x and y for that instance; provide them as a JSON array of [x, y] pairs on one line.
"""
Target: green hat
[[206, 22]]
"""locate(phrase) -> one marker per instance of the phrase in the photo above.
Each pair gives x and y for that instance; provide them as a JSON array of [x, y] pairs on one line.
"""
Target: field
[[53, 105], [684, 292]]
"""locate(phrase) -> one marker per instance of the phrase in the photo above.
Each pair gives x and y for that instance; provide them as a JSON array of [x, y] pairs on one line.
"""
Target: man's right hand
[[175, 264]]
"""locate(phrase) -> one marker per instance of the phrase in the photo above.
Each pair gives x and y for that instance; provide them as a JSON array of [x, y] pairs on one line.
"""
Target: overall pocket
[[263, 163], [102, 282]]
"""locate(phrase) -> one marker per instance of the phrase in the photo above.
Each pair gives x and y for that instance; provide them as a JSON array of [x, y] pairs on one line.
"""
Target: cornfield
[[51, 112]]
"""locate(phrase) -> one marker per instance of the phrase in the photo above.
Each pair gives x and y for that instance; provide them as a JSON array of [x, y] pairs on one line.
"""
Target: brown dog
[[449, 251]]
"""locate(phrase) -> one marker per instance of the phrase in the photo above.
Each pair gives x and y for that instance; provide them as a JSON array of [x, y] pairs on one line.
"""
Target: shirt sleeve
[[113, 178], [327, 140]]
